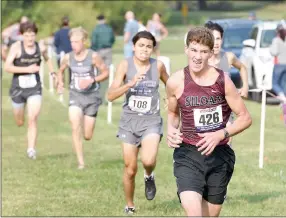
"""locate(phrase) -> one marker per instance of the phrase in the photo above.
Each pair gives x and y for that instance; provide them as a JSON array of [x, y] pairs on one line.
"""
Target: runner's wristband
[[226, 133], [53, 74]]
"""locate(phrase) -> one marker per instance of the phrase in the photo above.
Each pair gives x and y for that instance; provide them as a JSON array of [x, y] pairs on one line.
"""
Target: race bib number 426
[[27, 81], [140, 104], [208, 118]]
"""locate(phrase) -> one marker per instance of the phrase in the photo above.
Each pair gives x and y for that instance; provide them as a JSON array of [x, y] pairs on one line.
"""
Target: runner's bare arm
[[9, 65], [173, 133], [234, 61], [164, 31], [100, 65], [116, 90], [173, 109], [64, 64], [237, 105], [164, 77], [163, 73], [44, 52]]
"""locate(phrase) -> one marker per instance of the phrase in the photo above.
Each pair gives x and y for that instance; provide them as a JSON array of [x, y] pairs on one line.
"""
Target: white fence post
[[262, 128], [42, 72], [262, 89], [51, 80], [61, 95], [109, 108]]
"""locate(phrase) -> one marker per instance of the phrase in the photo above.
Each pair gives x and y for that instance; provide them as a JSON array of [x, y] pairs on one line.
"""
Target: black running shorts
[[20, 96], [206, 175]]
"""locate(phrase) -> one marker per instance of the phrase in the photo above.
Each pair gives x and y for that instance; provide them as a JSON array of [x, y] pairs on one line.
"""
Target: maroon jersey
[[203, 108]]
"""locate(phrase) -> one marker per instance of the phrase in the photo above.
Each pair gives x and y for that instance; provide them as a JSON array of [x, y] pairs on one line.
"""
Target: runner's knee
[[192, 205], [18, 109], [130, 170], [148, 162], [19, 122], [76, 127], [32, 120], [87, 136]]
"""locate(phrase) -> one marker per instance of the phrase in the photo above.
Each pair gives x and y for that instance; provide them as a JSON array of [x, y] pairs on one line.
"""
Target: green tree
[[115, 11], [11, 11], [48, 14], [202, 4]]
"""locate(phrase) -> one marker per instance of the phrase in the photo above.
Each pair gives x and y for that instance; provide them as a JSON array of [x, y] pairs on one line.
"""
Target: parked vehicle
[[235, 32], [256, 56]]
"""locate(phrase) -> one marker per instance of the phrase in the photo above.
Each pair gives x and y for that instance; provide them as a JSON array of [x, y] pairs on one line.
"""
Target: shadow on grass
[[170, 206], [255, 198], [54, 156], [110, 164]]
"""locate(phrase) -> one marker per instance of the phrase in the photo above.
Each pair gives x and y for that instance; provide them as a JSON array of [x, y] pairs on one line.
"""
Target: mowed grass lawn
[[52, 186]]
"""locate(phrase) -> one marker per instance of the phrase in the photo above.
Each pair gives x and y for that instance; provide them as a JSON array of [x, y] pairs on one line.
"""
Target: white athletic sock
[[129, 207], [30, 149], [145, 175]]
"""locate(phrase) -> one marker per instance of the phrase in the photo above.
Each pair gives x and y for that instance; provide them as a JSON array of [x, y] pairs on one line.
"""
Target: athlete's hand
[[60, 87], [243, 92], [209, 141], [84, 83], [174, 137], [137, 78], [34, 68], [55, 78]]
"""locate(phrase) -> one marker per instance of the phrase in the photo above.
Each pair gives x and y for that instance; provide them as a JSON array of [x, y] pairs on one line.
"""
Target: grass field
[[52, 186]]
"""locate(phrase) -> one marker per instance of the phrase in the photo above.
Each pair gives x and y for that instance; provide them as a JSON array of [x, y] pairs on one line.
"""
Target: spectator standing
[[62, 41], [102, 40]]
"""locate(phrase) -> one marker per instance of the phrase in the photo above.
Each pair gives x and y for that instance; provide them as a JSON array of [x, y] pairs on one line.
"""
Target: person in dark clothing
[[102, 40], [62, 41]]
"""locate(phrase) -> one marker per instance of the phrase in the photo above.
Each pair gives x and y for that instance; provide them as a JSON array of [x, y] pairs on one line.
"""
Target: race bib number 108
[[140, 104], [208, 119]]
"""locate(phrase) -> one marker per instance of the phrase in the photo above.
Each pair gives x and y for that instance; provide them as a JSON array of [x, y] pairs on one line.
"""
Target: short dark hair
[[100, 17], [28, 26], [281, 30], [214, 26], [201, 35], [144, 34], [65, 21]]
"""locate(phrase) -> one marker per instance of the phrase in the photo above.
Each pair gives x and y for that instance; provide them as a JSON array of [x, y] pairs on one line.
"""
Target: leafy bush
[[48, 14]]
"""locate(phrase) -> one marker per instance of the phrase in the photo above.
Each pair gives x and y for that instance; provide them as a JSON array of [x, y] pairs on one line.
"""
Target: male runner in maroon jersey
[[203, 97]]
